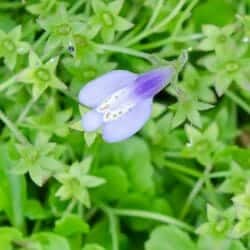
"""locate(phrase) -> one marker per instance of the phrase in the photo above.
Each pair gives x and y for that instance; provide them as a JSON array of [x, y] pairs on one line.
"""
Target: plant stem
[[9, 82], [41, 39], [155, 14], [19, 136], [212, 193], [183, 169], [76, 6], [196, 189], [153, 216], [184, 16], [70, 207], [184, 179], [159, 26], [15, 5], [239, 101], [36, 227], [26, 110], [113, 225], [220, 174], [132, 33], [127, 51], [193, 172], [160, 43]]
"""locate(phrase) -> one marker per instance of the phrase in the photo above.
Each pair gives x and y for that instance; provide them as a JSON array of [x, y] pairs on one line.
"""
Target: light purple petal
[[97, 90], [91, 121], [152, 82], [128, 124]]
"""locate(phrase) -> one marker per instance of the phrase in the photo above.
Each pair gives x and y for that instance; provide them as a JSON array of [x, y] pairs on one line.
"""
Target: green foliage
[[11, 46], [71, 225], [37, 160], [182, 183], [168, 237], [40, 75], [76, 181]]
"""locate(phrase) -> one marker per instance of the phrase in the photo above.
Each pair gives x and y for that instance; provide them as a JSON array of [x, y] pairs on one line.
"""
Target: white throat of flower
[[116, 105]]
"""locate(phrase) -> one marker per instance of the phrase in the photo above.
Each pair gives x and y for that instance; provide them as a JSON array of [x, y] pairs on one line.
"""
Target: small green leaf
[[90, 138], [71, 225], [169, 238], [93, 247], [116, 185], [51, 241], [35, 211]]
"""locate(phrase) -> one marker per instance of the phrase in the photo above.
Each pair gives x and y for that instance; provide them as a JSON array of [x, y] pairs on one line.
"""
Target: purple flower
[[121, 101]]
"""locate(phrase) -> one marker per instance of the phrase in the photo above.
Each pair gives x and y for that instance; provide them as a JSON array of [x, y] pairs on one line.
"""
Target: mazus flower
[[121, 101]]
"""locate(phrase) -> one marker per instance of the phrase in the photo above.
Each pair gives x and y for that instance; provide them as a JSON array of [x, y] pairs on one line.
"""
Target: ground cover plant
[[181, 183]]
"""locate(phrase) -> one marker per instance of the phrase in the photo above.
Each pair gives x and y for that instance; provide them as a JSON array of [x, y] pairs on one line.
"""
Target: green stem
[[132, 33], [80, 209], [159, 26], [195, 191], [133, 13], [184, 179], [113, 225], [212, 193], [36, 227], [219, 174], [26, 110], [239, 101], [9, 82], [153, 216], [184, 16], [164, 42], [70, 207], [181, 168], [155, 14], [15, 5], [19, 136], [193, 172], [76, 6], [41, 39], [127, 51]]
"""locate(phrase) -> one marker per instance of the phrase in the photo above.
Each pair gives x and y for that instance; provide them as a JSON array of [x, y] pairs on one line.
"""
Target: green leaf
[[122, 24], [10, 60], [51, 241], [169, 238], [15, 34], [35, 211], [14, 189], [98, 6], [241, 229], [34, 60], [71, 225], [115, 6], [203, 14], [93, 247], [7, 236], [76, 125], [90, 138], [208, 242], [116, 185]]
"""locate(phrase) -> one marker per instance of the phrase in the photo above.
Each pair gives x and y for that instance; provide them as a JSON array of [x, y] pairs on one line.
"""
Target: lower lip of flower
[[116, 105]]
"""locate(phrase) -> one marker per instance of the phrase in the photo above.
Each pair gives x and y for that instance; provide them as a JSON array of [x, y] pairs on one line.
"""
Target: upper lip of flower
[[121, 101]]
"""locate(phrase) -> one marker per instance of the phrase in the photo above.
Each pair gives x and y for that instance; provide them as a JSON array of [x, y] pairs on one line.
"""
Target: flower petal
[[91, 121], [150, 83], [128, 124], [97, 90]]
